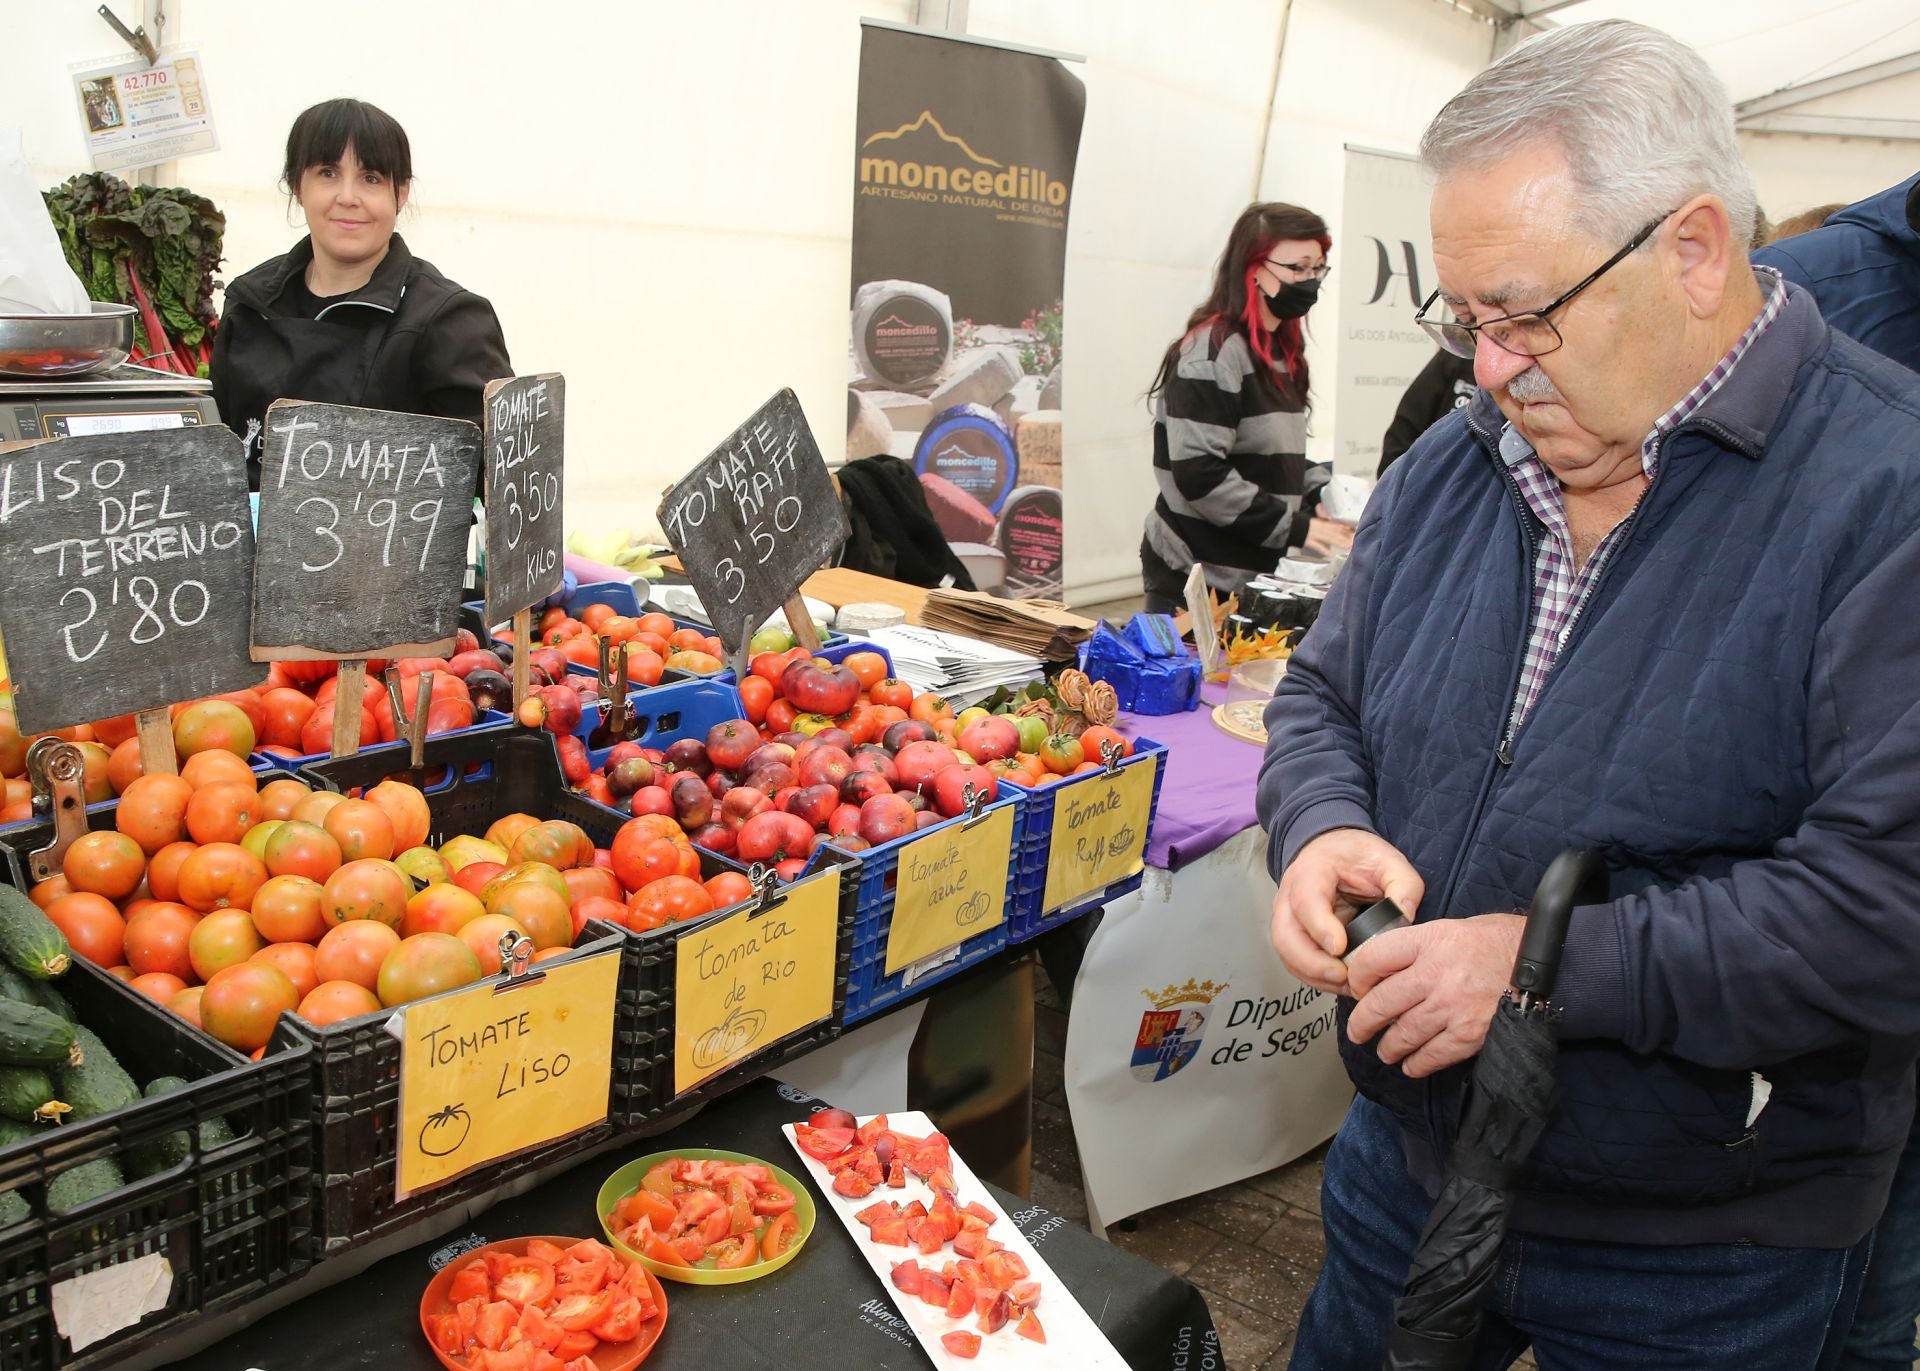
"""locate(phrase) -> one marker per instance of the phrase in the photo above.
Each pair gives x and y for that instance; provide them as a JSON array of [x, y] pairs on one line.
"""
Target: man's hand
[[1433, 988], [1328, 536], [1333, 878]]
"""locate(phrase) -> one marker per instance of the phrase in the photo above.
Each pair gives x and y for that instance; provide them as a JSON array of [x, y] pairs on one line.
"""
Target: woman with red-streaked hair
[[1230, 417]]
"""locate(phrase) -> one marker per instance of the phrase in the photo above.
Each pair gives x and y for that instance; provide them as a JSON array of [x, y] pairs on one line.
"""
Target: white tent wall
[[656, 196], [1795, 172]]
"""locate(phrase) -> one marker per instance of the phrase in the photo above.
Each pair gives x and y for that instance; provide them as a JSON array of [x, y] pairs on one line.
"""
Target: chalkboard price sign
[[126, 558], [363, 532], [756, 518], [526, 483]]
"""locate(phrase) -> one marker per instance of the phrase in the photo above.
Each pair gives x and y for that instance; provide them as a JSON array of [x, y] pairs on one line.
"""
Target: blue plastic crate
[[1027, 919], [686, 709], [869, 988]]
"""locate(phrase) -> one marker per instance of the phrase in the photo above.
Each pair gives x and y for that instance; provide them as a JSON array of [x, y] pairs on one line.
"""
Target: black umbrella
[[1437, 1317]]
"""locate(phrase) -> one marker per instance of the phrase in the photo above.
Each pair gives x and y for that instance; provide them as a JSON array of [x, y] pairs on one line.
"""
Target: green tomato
[[770, 639], [1033, 731]]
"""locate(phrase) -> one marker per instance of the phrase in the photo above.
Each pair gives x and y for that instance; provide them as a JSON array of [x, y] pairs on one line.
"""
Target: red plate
[[609, 1356]]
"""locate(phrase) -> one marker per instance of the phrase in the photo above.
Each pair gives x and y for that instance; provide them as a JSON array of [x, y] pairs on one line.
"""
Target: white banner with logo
[[1385, 258], [1188, 1039]]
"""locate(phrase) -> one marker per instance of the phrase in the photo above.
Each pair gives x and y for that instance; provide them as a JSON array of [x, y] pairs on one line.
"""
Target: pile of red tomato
[[648, 643]]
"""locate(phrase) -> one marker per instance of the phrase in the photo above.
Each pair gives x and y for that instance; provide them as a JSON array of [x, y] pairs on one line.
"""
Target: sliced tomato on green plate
[[733, 1253]]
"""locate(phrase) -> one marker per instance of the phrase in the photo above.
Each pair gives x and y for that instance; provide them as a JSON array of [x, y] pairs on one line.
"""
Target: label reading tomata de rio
[[750, 979], [1099, 832], [485, 1075], [952, 886]]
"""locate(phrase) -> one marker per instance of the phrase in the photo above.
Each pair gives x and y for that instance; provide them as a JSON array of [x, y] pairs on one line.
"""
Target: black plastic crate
[[643, 1080], [356, 1062], [234, 1219]]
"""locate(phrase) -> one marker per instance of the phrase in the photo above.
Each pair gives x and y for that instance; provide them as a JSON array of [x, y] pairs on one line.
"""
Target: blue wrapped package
[[1146, 684], [1155, 635]]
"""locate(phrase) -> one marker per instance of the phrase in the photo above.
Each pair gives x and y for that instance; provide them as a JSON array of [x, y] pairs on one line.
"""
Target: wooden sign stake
[[349, 699], [522, 649], [805, 633], [157, 757], [742, 655]]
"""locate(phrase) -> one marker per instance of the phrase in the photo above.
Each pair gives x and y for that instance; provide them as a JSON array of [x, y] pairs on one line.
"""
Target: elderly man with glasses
[[1650, 594]]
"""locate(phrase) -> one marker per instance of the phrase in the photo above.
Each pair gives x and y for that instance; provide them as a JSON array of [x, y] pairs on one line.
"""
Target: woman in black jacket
[[1230, 417], [349, 316]]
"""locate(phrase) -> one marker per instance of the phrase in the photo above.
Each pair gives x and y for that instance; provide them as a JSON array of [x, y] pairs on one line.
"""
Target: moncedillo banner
[[963, 179]]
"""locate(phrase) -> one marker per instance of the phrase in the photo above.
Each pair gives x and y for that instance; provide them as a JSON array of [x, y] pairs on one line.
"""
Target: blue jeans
[[1882, 1336], [1582, 1306]]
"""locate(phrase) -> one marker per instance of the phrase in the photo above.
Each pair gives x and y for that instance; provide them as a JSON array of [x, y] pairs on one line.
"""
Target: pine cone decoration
[[1072, 686], [1036, 709]]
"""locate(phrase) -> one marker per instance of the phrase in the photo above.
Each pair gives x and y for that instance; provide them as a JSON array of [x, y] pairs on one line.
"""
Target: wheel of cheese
[[969, 446]]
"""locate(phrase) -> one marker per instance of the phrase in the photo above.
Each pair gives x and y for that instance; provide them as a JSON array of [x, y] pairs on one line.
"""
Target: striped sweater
[[1236, 489]]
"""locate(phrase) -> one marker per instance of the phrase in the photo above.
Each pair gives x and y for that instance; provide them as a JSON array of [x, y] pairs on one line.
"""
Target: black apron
[[305, 359]]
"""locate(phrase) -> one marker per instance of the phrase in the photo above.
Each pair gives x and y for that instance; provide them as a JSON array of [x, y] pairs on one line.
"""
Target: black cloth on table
[[824, 1311]]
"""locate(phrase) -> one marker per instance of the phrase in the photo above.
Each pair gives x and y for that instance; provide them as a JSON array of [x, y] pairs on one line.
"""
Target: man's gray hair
[[1644, 123]]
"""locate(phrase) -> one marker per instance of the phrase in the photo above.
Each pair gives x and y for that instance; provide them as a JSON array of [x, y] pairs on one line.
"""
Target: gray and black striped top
[[1229, 454]]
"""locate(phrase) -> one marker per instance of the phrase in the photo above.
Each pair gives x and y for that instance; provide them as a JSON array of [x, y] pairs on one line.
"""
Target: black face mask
[[1293, 299]]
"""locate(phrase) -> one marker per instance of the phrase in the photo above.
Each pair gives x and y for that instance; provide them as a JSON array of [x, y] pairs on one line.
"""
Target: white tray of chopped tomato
[[966, 1280]]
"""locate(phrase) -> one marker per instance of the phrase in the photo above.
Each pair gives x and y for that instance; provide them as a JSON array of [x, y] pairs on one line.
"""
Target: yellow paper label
[[952, 886], [485, 1075], [750, 979], [1099, 833]]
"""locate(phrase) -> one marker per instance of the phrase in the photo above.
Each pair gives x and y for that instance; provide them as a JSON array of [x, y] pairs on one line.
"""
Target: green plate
[[627, 1180]]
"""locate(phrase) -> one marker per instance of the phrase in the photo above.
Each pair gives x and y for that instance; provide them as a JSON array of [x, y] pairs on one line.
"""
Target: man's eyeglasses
[[1311, 271], [1530, 334]]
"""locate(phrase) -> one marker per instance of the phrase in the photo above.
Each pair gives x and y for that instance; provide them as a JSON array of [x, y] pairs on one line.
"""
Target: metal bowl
[[42, 345]]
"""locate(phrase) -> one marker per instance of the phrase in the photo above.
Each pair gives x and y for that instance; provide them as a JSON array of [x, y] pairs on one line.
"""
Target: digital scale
[[125, 399]]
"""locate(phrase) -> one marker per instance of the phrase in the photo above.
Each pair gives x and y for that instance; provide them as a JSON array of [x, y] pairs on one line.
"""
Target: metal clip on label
[[58, 771], [975, 800], [1111, 754], [766, 891], [516, 961]]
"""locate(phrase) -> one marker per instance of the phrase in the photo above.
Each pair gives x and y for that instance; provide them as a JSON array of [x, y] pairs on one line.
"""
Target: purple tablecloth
[[1207, 794]]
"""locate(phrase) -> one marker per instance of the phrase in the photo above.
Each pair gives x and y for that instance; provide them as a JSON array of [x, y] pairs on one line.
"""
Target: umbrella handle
[[1577, 876]]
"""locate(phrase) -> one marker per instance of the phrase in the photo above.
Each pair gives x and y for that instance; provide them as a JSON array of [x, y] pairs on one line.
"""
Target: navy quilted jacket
[[1735, 723]]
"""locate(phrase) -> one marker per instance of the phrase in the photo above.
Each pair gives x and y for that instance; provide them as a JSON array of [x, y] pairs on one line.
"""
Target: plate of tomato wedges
[[543, 1304], [706, 1217]]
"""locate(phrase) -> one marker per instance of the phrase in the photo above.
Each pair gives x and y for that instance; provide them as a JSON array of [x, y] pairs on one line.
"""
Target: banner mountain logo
[[1171, 1032], [920, 160]]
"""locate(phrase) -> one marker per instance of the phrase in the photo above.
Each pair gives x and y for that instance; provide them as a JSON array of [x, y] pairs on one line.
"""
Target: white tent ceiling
[[1776, 56]]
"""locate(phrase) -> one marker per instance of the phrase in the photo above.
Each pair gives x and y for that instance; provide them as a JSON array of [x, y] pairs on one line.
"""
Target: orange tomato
[[105, 863], [205, 768], [220, 876], [644, 665], [353, 952], [156, 939], [115, 731], [546, 916], [932, 710], [595, 616], [755, 695], [780, 716], [870, 667], [95, 783], [616, 628], [368, 889], [222, 812], [662, 625], [482, 937], [124, 766], [286, 713], [426, 964], [158, 985], [278, 798], [362, 829], [163, 871], [241, 1004], [296, 960], [302, 849], [640, 858], [507, 828], [885, 717], [672, 899], [406, 809], [440, 908], [1093, 742], [187, 1004], [556, 842], [289, 909], [49, 890], [596, 907], [729, 887], [687, 640], [315, 808], [249, 703], [213, 725], [153, 811], [586, 882], [92, 925], [221, 940], [332, 1001]]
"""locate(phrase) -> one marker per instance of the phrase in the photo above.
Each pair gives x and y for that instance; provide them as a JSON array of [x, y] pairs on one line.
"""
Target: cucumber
[[13, 1131], [86, 1182], [168, 1150], [32, 1036], [99, 1083], [26, 990], [13, 1208], [29, 942], [27, 1095]]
